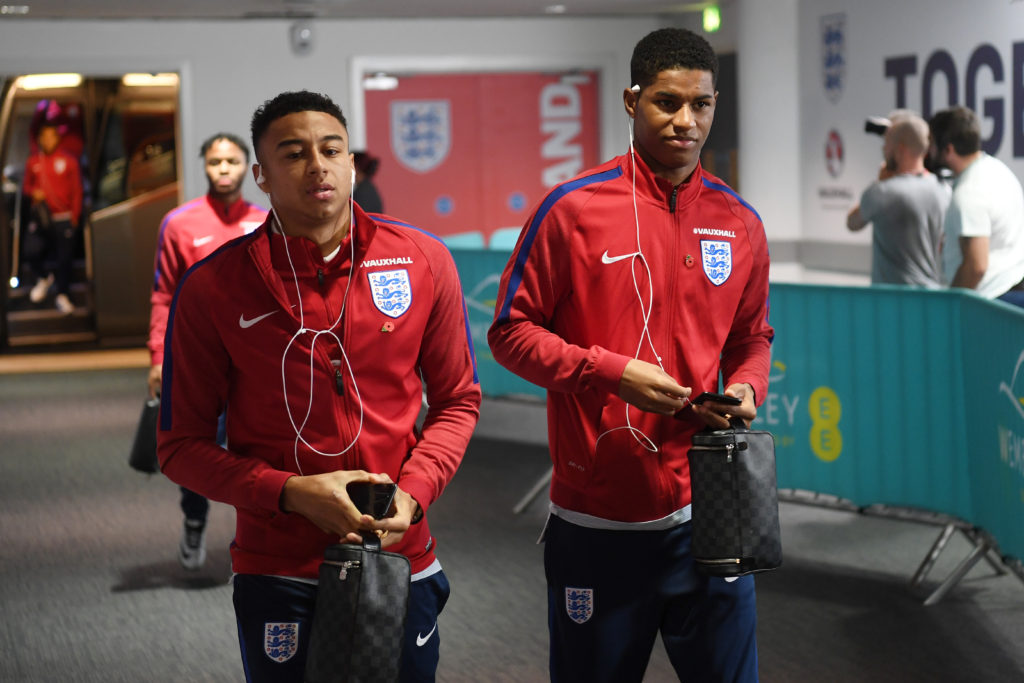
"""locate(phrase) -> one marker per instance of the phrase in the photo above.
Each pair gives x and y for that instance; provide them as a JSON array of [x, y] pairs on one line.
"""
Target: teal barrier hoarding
[[873, 396], [993, 368], [480, 272], [889, 395]]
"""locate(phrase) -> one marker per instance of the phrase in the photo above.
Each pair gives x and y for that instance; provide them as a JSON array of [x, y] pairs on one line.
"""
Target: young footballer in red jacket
[[632, 287], [189, 234], [320, 334], [53, 180]]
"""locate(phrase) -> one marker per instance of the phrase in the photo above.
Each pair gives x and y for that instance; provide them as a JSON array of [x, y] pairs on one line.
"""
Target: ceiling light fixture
[[712, 19], [380, 81], [43, 81], [149, 80]]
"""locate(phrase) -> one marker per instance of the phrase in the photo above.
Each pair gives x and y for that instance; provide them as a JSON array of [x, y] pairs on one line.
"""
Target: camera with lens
[[877, 125]]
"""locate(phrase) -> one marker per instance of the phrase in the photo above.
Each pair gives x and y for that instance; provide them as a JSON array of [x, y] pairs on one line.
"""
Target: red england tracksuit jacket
[[59, 176], [231, 337], [188, 234], [568, 318]]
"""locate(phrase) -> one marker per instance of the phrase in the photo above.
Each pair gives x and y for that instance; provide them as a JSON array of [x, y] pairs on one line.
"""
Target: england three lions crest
[[391, 290], [579, 604], [421, 133], [833, 55], [716, 257], [280, 640]]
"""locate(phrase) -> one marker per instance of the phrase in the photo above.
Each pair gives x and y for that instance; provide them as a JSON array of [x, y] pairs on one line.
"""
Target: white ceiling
[[13, 10]]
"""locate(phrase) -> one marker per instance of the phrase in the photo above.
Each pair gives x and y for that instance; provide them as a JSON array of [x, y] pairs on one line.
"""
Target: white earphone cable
[[645, 311], [312, 350]]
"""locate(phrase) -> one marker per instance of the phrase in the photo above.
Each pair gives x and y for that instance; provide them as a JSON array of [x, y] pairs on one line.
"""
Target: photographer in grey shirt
[[906, 205]]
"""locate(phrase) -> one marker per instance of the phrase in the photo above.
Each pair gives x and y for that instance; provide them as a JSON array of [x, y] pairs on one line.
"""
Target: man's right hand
[[650, 388], [323, 499], [156, 376]]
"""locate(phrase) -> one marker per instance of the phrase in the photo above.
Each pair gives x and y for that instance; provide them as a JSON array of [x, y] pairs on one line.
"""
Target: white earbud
[[260, 179], [634, 89], [353, 176]]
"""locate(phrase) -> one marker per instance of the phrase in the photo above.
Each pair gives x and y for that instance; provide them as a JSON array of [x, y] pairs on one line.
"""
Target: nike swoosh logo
[[200, 241], [421, 640], [246, 324], [605, 258]]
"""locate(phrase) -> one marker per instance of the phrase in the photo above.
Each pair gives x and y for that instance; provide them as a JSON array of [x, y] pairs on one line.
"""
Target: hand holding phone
[[717, 398], [372, 499]]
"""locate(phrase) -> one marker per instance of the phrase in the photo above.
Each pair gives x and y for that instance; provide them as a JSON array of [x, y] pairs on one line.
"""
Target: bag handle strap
[[738, 424], [371, 542]]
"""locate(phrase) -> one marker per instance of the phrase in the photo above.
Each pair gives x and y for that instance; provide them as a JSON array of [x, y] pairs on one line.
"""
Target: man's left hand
[[716, 415], [392, 529]]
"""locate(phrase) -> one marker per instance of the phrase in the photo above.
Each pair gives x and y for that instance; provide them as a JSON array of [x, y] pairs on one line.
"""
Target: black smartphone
[[372, 499], [717, 398]]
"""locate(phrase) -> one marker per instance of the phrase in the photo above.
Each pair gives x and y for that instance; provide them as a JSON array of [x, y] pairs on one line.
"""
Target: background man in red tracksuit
[[53, 180], [319, 333], [189, 234], [631, 287]]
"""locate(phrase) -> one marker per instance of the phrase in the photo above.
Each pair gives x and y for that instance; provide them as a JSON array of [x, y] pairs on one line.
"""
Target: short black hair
[[230, 137], [290, 103], [957, 126], [671, 48]]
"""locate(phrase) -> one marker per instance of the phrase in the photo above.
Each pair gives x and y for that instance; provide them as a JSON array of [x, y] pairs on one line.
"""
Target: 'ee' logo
[[825, 409]]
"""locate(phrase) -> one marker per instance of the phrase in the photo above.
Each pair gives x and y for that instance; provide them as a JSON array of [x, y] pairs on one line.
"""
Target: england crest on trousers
[[579, 604], [392, 291], [280, 640], [421, 132], [716, 257]]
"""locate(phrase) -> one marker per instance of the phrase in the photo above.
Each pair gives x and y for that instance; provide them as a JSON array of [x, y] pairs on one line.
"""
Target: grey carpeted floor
[[91, 591]]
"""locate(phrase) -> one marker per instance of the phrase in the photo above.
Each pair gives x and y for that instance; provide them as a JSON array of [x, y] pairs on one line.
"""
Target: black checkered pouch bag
[[142, 457], [735, 501], [359, 617]]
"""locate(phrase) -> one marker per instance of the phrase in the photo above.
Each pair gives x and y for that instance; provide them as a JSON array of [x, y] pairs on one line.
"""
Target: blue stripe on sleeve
[[465, 311], [160, 238], [168, 369], [531, 233], [728, 190]]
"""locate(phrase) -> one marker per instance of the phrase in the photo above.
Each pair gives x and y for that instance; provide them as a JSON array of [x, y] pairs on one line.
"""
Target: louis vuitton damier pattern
[[735, 502], [359, 619]]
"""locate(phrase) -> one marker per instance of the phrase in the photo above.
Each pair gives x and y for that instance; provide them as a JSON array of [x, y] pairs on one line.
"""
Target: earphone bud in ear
[[353, 176], [260, 179], [635, 88]]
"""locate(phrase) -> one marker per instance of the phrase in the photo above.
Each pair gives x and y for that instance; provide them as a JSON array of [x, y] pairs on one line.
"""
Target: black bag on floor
[[735, 501], [143, 453], [359, 617]]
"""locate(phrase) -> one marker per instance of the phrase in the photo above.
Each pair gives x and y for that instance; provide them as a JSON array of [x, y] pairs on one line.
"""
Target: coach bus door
[[123, 131]]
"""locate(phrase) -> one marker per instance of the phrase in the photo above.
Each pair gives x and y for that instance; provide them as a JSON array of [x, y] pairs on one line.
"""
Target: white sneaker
[[64, 304], [40, 289], [192, 548]]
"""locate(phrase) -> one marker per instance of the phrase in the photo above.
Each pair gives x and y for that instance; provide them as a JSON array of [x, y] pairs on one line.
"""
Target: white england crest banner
[[833, 55]]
